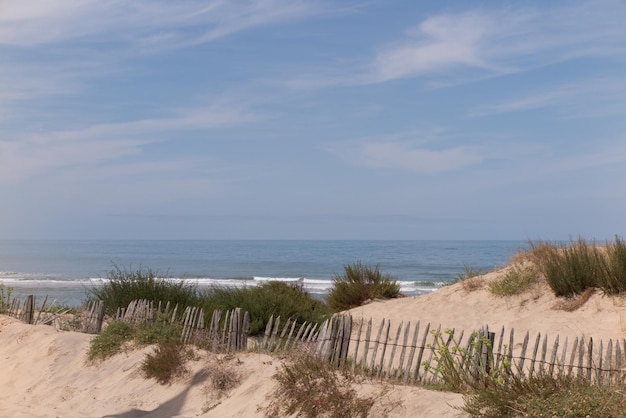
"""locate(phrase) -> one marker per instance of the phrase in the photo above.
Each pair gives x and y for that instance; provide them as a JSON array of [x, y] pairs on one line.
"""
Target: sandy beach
[[45, 372]]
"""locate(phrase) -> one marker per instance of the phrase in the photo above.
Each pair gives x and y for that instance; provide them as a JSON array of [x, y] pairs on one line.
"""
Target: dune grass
[[125, 285], [572, 269], [358, 284], [516, 281]]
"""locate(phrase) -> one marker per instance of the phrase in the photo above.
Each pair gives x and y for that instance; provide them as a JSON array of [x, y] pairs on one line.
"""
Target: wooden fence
[[27, 312], [409, 353], [412, 353], [224, 331]]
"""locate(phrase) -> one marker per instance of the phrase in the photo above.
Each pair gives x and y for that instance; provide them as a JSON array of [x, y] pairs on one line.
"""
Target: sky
[[291, 119]]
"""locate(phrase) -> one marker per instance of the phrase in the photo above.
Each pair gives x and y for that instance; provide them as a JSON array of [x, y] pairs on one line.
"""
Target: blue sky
[[287, 119]]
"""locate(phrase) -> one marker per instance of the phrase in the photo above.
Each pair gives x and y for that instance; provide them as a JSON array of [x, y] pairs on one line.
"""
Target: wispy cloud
[[429, 151], [422, 160], [460, 47], [140, 22], [587, 97], [35, 154]]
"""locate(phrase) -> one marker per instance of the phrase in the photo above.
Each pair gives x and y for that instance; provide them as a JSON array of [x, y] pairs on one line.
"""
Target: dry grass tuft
[[310, 387]]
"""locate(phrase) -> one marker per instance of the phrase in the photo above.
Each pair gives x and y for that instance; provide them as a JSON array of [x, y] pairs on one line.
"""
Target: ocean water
[[66, 270]]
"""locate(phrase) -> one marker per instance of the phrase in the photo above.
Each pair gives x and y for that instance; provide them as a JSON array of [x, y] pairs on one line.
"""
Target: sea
[[65, 271]]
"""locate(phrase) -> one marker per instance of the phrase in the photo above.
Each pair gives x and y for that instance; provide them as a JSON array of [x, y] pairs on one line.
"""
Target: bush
[[358, 284], [123, 286], [110, 340], [311, 387], [546, 396], [166, 363], [263, 301]]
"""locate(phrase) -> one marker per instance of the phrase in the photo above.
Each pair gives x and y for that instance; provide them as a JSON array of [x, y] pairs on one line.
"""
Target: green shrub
[[110, 340], [358, 284], [310, 387], [125, 285], [262, 301], [160, 331]]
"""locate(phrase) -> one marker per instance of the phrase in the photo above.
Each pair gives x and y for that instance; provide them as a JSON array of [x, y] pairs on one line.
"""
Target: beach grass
[[514, 282], [124, 285], [360, 283], [572, 269]]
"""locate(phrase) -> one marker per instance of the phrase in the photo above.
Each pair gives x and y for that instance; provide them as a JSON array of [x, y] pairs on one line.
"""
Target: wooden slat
[[555, 348], [544, 351], [358, 342], [293, 326], [274, 332], [589, 359], [618, 364], [609, 363], [581, 354], [498, 353], [520, 365], [563, 358], [534, 357], [393, 349], [382, 355], [432, 352], [376, 342], [409, 363], [405, 341], [416, 376], [366, 346], [572, 357]]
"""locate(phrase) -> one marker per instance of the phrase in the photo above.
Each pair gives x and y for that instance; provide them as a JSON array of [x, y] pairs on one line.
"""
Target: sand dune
[[45, 372]]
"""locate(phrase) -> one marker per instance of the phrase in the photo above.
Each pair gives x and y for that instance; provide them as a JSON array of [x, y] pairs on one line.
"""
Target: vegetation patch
[[111, 340], [272, 298], [470, 278], [310, 387], [516, 281], [167, 362], [5, 298], [545, 396], [125, 285], [358, 284], [572, 269]]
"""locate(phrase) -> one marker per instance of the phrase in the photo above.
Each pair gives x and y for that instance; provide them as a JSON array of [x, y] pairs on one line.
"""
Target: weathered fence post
[[28, 309]]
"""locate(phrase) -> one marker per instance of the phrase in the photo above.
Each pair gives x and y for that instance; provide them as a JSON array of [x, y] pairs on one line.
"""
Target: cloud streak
[[460, 47], [35, 154], [141, 22]]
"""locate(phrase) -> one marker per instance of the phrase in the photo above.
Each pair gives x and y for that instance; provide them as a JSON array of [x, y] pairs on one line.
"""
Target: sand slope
[[44, 374]]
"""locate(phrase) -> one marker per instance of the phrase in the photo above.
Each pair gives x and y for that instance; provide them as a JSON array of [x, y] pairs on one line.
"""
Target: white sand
[[43, 372]]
